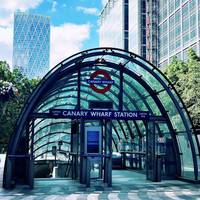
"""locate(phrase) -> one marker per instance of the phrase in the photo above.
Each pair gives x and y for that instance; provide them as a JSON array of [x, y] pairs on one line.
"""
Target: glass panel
[[118, 128], [177, 3], [171, 111], [192, 5], [148, 78], [185, 10], [153, 106], [186, 155]]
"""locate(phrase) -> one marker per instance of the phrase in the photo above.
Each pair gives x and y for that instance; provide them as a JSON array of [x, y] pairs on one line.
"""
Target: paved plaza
[[126, 185]]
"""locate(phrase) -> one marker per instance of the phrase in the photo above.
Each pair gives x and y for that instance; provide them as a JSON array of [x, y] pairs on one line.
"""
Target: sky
[[74, 25]]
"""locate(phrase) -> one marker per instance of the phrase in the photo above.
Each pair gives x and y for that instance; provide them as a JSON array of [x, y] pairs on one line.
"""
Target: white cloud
[[19, 4], [104, 2], [66, 40], [85, 10], [6, 35], [7, 9], [54, 4]]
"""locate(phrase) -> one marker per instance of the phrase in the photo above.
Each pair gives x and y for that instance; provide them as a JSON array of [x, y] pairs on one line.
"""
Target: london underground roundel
[[105, 80]]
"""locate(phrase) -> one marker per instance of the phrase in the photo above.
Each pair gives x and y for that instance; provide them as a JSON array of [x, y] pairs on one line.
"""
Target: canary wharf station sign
[[99, 114]]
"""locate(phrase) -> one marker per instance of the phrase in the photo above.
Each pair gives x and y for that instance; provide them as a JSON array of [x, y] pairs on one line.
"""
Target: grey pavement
[[126, 185]]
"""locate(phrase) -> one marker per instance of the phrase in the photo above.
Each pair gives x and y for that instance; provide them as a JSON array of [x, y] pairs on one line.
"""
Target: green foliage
[[186, 78], [10, 107]]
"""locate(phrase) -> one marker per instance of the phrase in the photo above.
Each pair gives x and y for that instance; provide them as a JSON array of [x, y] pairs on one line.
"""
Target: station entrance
[[97, 111], [87, 155], [90, 154]]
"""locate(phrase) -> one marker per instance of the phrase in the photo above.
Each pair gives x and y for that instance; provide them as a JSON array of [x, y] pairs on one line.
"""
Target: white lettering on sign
[[71, 113], [125, 114], [99, 114], [100, 81]]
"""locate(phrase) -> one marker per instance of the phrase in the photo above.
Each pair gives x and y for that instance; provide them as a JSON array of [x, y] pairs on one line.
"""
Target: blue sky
[[74, 25]]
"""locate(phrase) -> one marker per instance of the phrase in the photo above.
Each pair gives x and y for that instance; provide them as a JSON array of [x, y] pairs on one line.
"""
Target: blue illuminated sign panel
[[92, 141], [93, 137], [99, 114]]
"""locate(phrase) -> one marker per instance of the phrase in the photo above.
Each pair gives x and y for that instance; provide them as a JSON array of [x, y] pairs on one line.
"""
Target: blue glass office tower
[[31, 44]]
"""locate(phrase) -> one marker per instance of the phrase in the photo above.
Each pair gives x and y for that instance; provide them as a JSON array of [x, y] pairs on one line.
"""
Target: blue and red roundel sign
[[105, 80]]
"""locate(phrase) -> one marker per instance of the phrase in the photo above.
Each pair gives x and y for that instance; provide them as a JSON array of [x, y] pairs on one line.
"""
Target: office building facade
[[123, 24], [179, 29], [113, 32], [157, 30], [31, 44]]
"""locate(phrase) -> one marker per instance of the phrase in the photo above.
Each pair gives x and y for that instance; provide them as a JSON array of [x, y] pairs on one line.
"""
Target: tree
[[14, 91], [186, 78]]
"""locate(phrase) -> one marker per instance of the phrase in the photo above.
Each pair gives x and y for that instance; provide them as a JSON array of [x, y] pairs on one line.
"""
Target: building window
[[171, 6], [185, 38], [185, 25], [177, 17], [192, 4], [178, 43], [177, 3], [193, 20], [172, 20], [171, 47], [193, 34], [177, 30], [171, 35], [185, 10]]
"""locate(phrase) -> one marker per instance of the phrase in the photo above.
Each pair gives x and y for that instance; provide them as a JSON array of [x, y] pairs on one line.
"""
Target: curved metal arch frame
[[52, 133], [113, 74], [131, 86], [132, 101], [158, 78], [47, 125], [46, 152], [42, 120], [113, 93], [80, 57], [98, 99], [139, 80], [117, 76], [46, 144], [144, 84], [65, 122]]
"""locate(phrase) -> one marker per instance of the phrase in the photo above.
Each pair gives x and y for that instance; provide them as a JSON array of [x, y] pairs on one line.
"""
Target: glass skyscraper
[[123, 25], [31, 44], [157, 30], [179, 29], [113, 29]]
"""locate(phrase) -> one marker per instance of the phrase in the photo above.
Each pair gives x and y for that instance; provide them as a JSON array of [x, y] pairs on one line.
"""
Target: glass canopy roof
[[138, 86]]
